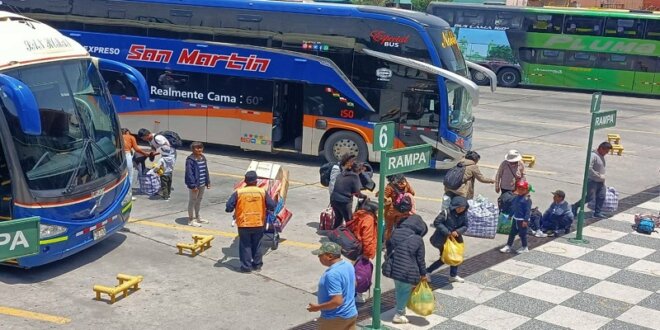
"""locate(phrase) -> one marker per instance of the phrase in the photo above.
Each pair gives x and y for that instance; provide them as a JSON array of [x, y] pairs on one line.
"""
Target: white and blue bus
[[61, 148]]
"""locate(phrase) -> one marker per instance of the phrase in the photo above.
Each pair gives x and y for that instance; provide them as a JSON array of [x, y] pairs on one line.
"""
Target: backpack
[[646, 226], [402, 201], [324, 173], [351, 248], [363, 272], [454, 177], [505, 201], [173, 138]]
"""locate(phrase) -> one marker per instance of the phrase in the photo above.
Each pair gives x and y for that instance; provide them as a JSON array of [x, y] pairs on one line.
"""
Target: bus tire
[[344, 141], [479, 78], [508, 77]]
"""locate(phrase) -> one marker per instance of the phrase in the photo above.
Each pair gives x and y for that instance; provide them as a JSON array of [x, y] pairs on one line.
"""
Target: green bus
[[589, 49]]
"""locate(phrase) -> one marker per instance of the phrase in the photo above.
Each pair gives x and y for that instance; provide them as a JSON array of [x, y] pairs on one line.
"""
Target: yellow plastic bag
[[452, 253], [422, 300]]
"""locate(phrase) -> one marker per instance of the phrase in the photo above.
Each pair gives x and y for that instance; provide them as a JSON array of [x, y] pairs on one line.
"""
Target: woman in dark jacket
[[347, 185], [405, 261], [453, 223]]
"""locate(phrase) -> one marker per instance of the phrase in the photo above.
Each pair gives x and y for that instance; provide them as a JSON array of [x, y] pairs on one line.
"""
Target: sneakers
[[456, 279], [200, 220], [399, 319], [522, 250], [506, 249], [233, 223], [133, 198], [540, 233], [600, 215], [194, 223], [359, 298]]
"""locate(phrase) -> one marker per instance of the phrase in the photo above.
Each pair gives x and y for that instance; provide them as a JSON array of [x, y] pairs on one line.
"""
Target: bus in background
[[212, 72], [589, 49], [61, 155]]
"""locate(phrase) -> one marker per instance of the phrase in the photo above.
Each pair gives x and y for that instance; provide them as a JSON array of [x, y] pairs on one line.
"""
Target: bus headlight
[[46, 231]]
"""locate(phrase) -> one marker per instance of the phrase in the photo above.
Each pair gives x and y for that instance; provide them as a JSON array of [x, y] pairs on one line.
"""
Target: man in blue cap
[[336, 291], [251, 204]]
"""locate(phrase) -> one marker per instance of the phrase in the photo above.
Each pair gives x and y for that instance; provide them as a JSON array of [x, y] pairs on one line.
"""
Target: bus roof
[[623, 13], [318, 8], [25, 40]]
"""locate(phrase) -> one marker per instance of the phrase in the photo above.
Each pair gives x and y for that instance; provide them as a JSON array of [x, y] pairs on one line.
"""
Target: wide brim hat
[[513, 156]]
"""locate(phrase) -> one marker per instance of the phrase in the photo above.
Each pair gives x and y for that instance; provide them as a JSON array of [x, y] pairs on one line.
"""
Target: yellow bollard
[[614, 138], [530, 160], [126, 283], [200, 244]]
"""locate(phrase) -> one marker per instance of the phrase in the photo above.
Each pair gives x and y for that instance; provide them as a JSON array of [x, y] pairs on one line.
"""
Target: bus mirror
[[24, 101], [490, 74], [133, 75]]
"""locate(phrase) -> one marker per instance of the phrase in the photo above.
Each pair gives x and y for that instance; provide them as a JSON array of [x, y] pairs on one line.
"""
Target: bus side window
[[583, 25], [471, 18], [118, 84], [615, 62], [645, 64], [527, 55], [581, 59], [543, 23], [653, 30], [551, 57], [625, 28], [420, 109], [445, 14]]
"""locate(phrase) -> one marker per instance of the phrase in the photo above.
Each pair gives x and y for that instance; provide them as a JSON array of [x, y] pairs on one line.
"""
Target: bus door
[[420, 115], [287, 121], [645, 76]]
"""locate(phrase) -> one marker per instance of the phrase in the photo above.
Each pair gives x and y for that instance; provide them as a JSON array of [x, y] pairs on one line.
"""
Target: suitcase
[[327, 219]]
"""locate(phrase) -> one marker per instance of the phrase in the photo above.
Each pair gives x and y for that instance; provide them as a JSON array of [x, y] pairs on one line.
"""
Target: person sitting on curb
[[558, 218]]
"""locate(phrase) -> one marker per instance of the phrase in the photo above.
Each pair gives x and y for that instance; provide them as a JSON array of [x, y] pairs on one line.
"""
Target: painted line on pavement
[[198, 230], [33, 315], [527, 169]]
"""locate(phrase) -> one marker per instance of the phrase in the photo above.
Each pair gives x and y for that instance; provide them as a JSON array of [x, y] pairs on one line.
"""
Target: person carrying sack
[[450, 224]]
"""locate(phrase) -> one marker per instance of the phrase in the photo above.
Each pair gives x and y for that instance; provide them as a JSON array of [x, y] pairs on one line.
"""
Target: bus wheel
[[343, 142], [479, 78], [508, 77]]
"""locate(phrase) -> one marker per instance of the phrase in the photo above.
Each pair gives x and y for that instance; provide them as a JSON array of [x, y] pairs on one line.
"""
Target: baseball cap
[[559, 193], [328, 247], [251, 177]]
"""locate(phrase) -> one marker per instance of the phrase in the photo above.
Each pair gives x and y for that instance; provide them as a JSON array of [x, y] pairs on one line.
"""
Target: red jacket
[[364, 228]]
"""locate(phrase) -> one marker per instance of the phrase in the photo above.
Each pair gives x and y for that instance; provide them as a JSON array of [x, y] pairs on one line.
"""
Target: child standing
[[197, 180], [163, 168], [521, 208]]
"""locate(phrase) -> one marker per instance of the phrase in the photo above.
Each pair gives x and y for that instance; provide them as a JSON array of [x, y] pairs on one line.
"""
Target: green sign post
[[599, 120], [19, 238], [391, 162]]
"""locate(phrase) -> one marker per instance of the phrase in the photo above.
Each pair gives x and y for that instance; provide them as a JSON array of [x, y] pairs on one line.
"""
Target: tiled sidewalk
[[613, 282]]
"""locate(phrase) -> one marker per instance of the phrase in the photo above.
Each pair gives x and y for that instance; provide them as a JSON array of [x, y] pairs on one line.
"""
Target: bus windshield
[[79, 141], [460, 106]]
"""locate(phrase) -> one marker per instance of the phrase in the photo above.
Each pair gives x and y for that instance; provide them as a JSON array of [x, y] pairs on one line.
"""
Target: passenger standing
[[472, 173], [197, 180], [251, 204], [398, 185], [346, 187], [336, 290], [453, 223], [596, 180], [345, 162], [521, 208], [511, 170], [160, 144], [130, 145], [405, 261]]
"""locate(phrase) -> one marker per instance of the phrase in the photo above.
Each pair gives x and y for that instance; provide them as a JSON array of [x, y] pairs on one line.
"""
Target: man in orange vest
[[251, 204]]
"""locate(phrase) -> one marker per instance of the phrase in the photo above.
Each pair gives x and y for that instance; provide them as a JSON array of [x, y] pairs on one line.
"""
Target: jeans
[[129, 166], [596, 189], [249, 247], [343, 212], [166, 185], [516, 229], [194, 202], [402, 291]]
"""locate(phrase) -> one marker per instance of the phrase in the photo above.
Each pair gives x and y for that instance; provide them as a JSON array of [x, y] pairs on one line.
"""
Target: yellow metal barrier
[[530, 160], [616, 148], [614, 138], [126, 283], [200, 244]]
